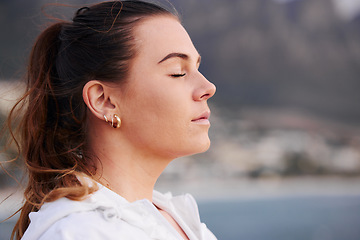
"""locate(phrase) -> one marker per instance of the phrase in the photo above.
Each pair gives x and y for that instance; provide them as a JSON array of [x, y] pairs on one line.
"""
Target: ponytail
[[53, 166]]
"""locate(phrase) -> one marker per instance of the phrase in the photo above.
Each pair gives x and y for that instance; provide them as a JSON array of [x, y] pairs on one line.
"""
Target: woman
[[112, 98]]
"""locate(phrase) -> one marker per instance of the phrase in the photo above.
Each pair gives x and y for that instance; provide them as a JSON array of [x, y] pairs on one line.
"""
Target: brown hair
[[97, 44]]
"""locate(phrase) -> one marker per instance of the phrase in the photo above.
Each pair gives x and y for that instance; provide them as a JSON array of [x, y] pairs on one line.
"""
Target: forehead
[[160, 35]]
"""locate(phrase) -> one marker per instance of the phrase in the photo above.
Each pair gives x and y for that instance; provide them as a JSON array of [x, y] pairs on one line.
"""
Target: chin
[[205, 147], [200, 147], [195, 146]]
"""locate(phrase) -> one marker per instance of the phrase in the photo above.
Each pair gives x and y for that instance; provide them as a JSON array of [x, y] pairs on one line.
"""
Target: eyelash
[[178, 75]]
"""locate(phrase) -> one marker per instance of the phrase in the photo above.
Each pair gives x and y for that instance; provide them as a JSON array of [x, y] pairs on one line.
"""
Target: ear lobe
[[96, 98]]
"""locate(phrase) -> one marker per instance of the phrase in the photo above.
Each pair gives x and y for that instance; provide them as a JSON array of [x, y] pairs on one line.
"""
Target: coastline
[[263, 188]]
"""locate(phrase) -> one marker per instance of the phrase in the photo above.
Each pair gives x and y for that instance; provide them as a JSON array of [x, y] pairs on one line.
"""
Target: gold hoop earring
[[106, 120], [117, 122]]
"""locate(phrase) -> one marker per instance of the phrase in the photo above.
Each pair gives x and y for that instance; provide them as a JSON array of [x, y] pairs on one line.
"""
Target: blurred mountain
[[267, 54]]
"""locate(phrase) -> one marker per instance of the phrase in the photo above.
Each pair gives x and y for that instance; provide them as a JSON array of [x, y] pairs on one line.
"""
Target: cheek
[[156, 105], [156, 113]]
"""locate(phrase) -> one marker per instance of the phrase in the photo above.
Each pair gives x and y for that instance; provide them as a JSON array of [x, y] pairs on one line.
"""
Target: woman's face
[[163, 106]]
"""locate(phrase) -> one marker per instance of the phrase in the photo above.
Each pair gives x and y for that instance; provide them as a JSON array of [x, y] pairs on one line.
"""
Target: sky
[[347, 10]]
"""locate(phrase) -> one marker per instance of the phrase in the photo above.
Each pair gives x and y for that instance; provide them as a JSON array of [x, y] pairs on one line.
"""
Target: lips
[[202, 118]]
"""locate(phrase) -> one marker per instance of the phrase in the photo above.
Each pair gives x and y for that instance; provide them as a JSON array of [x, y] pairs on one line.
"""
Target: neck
[[126, 170], [132, 178]]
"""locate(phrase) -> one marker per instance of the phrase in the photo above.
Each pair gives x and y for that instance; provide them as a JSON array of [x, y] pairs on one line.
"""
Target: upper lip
[[204, 115]]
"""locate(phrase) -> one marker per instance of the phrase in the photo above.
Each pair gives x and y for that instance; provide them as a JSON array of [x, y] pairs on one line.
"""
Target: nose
[[205, 89]]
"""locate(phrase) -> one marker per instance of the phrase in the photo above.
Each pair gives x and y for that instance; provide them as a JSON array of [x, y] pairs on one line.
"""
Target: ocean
[[286, 218], [277, 218]]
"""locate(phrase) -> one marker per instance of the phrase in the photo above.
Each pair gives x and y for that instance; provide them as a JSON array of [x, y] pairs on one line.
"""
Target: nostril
[[206, 95]]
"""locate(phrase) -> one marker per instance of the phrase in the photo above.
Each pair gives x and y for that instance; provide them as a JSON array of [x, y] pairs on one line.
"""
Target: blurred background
[[285, 126]]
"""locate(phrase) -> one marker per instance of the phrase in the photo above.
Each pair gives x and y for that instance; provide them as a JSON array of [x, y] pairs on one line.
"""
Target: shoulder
[[97, 217], [90, 225]]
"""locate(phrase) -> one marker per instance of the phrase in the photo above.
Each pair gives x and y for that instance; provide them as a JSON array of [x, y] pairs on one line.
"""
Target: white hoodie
[[106, 215]]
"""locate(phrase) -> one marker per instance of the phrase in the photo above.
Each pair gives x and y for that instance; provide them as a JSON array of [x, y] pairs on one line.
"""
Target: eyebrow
[[179, 55]]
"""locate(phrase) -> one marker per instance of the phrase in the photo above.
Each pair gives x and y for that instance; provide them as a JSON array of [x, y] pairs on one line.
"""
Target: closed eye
[[178, 75]]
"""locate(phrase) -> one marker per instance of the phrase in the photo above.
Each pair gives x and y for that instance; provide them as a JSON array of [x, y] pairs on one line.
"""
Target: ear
[[96, 97]]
